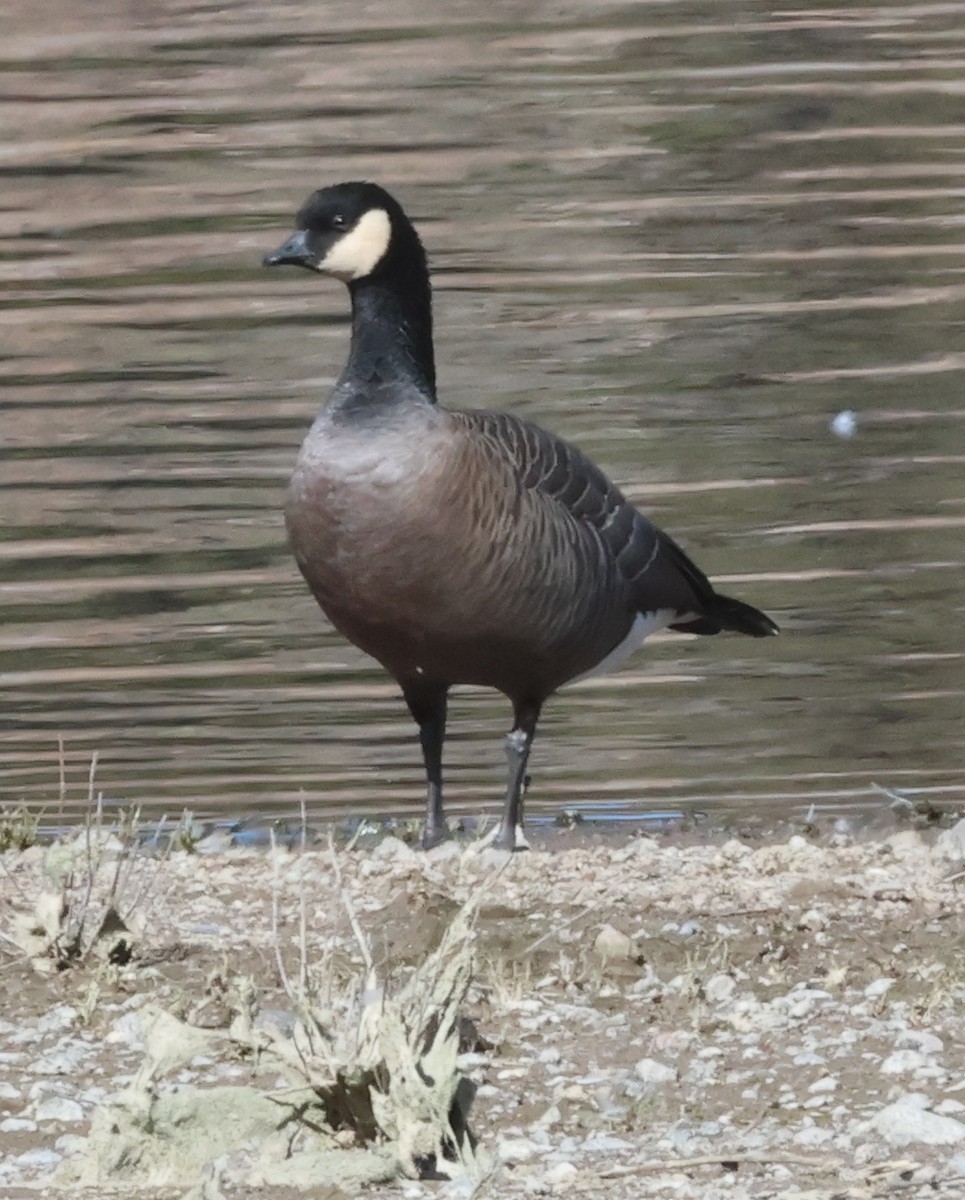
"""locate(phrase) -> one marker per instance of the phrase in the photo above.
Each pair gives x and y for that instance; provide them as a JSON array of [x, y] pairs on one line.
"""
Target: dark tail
[[721, 612]]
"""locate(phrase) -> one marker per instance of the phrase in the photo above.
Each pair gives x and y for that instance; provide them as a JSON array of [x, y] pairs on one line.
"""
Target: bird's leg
[[428, 707], [509, 835]]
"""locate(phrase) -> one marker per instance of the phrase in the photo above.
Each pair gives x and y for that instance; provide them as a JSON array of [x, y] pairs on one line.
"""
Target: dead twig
[[584, 912], [350, 908], [719, 1160]]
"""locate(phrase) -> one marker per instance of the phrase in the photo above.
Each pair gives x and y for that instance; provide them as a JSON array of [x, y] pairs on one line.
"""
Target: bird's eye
[[338, 221]]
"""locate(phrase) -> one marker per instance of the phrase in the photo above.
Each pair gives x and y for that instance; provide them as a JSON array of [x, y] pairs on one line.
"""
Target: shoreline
[[748, 1016]]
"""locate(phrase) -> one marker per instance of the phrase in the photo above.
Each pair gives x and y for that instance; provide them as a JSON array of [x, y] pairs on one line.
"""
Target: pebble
[[719, 989], [445, 852], [610, 943], [653, 1072], [813, 919], [903, 1062], [126, 1031], [57, 1020], [950, 844], [463, 1188], [909, 1120], [516, 1150], [59, 1108], [18, 1125], [64, 1059], [561, 1174], [601, 1143], [38, 1157], [70, 1143], [551, 1117], [802, 1003], [927, 1043], [639, 848], [393, 849]]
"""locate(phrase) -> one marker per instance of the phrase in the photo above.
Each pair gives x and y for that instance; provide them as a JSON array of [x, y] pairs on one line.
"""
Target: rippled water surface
[[685, 235]]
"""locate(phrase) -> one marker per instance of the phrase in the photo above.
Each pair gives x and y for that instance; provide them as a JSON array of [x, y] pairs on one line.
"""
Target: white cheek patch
[[359, 252]]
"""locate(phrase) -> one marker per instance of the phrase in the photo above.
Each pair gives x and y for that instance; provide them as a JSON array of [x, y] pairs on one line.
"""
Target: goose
[[463, 547]]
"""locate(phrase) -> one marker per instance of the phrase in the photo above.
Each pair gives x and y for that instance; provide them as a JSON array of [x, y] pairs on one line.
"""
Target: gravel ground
[[776, 1017]]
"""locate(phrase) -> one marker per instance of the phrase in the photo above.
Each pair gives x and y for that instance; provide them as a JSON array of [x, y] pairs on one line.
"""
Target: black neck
[[392, 323]]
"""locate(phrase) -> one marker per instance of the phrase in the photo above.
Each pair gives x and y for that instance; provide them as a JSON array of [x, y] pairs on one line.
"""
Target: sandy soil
[[732, 1017]]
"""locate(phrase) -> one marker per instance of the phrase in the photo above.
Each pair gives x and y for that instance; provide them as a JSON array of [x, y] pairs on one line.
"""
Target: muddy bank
[[740, 1018]]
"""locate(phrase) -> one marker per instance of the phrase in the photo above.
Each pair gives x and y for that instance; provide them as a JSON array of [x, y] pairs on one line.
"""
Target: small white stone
[[908, 1120], [57, 1020], [813, 919], [903, 1062], [719, 989], [462, 1188], [812, 1135], [444, 852], [611, 943], [921, 1039], [907, 844], [950, 844], [827, 1083], [516, 1150], [561, 1174], [59, 1108], [799, 1009], [877, 989], [67, 1057], [38, 1158], [601, 1143], [8, 1091], [552, 1116], [18, 1125], [654, 1073], [393, 849], [70, 1143]]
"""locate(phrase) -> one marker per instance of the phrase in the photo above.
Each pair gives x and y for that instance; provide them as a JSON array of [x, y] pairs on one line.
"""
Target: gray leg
[[518, 743], [428, 708]]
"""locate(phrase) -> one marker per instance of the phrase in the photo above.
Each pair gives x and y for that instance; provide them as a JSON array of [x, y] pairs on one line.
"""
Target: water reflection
[[682, 240]]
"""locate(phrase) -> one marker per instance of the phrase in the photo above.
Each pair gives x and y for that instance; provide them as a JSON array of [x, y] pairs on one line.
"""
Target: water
[[685, 235]]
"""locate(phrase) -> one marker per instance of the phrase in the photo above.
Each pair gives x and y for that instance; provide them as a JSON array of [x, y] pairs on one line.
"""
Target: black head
[[349, 230]]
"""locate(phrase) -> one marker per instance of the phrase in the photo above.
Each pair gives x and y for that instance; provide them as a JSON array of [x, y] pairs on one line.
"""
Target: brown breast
[[423, 548]]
